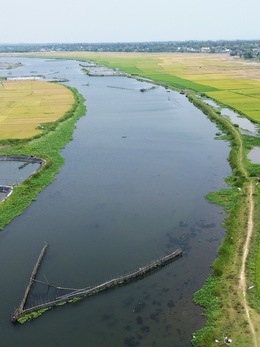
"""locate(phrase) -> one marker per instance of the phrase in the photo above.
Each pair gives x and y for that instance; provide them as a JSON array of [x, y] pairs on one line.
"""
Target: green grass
[[245, 103], [219, 295], [32, 315], [177, 82], [254, 256], [206, 297], [224, 197]]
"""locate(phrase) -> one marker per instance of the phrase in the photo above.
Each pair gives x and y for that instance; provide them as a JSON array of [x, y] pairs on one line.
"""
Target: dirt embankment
[[242, 277]]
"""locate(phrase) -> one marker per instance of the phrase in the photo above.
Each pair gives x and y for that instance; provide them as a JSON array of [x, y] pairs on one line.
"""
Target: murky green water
[[132, 189]]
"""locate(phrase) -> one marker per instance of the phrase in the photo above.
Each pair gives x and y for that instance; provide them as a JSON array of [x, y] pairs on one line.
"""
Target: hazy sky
[[45, 21]]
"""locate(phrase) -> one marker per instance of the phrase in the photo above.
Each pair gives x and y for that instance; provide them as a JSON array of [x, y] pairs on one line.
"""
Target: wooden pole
[[34, 273]]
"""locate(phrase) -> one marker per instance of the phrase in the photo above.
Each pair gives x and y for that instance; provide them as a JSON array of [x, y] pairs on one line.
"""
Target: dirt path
[[243, 285]]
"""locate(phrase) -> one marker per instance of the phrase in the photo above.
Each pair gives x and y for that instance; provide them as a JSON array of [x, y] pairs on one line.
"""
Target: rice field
[[244, 102], [26, 104], [229, 80]]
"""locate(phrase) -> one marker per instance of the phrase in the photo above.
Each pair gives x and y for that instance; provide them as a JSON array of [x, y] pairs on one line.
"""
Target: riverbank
[[46, 146], [224, 295]]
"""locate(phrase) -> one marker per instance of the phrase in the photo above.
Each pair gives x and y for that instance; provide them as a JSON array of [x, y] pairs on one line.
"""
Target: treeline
[[247, 49]]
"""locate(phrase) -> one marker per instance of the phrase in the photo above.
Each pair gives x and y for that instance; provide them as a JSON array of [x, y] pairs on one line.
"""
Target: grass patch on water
[[32, 315], [225, 197]]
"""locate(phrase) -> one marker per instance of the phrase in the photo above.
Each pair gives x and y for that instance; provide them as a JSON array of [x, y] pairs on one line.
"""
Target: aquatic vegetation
[[206, 297], [61, 303], [75, 300], [32, 315], [225, 197]]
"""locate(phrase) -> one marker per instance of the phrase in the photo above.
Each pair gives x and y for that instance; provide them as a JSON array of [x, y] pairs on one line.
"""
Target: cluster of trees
[[246, 49]]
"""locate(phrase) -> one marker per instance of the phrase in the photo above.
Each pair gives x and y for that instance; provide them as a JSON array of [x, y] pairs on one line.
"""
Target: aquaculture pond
[[14, 172], [132, 189]]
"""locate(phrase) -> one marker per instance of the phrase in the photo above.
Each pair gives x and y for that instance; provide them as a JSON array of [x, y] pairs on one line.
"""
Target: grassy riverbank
[[221, 295], [47, 146]]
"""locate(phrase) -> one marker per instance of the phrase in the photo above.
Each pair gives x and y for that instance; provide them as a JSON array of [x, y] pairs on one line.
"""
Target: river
[[132, 189]]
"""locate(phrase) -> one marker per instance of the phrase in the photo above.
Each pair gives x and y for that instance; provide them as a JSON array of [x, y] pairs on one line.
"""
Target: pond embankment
[[28, 159]]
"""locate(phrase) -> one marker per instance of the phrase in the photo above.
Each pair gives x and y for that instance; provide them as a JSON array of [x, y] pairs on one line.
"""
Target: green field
[[247, 102]]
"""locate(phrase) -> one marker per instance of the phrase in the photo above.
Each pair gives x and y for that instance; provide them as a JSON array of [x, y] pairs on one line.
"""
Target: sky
[[49, 21]]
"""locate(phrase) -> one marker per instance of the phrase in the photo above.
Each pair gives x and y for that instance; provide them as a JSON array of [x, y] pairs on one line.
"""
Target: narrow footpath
[[242, 282]]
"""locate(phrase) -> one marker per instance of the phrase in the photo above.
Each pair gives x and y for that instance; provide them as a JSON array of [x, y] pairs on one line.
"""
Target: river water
[[132, 189]]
